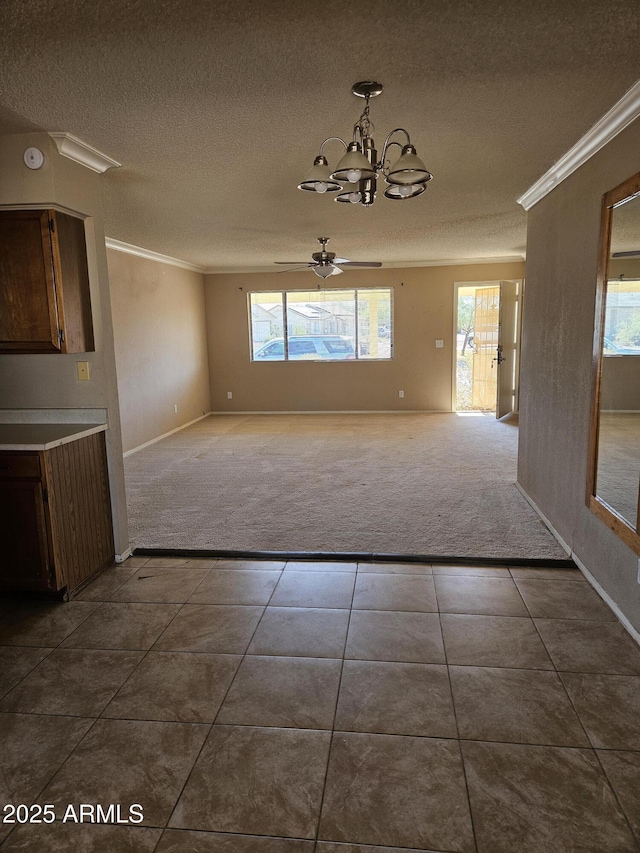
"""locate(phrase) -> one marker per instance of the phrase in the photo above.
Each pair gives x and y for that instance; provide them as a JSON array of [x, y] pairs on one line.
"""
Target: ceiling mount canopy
[[355, 175]]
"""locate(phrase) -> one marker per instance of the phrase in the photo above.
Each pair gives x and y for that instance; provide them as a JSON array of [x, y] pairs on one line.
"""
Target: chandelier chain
[[365, 125]]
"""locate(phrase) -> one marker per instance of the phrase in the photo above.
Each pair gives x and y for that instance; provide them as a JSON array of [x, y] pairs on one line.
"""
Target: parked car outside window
[[307, 348]]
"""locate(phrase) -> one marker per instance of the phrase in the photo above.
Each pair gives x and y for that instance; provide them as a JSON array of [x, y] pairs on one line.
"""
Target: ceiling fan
[[325, 263]]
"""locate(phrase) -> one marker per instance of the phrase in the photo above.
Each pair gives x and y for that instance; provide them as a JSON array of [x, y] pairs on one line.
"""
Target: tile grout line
[[617, 799], [145, 652], [95, 719], [455, 717], [335, 711], [224, 698]]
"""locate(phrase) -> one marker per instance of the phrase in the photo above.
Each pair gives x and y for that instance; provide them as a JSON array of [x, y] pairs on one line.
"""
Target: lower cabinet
[[55, 516]]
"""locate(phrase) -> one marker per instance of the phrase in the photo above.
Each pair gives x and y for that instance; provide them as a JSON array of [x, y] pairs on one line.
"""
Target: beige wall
[[423, 312], [160, 346], [556, 374], [45, 387]]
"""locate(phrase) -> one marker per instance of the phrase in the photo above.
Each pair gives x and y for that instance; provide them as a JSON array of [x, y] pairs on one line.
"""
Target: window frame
[[284, 294]]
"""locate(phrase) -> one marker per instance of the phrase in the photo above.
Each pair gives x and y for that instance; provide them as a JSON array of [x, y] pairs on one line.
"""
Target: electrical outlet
[[439, 344], [175, 409], [83, 370], [229, 395], [401, 394]]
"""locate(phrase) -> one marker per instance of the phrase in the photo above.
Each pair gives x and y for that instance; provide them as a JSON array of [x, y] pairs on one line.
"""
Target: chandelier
[[355, 176]]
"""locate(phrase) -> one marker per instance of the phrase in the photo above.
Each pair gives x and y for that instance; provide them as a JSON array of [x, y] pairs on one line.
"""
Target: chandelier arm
[[388, 144], [329, 139], [380, 165]]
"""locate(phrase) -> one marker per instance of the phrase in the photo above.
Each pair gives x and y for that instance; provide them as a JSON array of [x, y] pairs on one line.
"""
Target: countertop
[[43, 436]]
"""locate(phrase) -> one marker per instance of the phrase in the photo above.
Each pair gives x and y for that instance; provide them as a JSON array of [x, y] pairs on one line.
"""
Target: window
[[322, 325], [622, 318]]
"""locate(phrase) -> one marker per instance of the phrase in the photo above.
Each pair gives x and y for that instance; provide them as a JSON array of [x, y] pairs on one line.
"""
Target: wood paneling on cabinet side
[[80, 508]]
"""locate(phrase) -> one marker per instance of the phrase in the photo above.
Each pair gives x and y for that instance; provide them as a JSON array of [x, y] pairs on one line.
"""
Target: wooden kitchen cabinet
[[55, 515], [45, 304]]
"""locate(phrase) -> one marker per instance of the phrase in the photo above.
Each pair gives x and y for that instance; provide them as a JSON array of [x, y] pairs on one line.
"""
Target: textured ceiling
[[216, 111]]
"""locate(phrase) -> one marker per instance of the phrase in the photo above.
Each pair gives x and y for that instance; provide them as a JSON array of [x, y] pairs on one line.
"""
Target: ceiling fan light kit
[[359, 166], [325, 263]]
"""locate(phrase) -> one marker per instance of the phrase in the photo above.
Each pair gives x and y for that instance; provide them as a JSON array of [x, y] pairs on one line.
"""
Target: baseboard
[[338, 412], [585, 571], [353, 557], [166, 434], [566, 548], [120, 558], [604, 595]]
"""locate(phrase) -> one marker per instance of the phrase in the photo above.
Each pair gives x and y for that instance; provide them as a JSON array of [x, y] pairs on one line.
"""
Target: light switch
[[83, 370], [439, 344]]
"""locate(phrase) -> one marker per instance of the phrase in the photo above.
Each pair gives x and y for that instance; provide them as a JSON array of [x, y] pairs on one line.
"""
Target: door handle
[[499, 356]]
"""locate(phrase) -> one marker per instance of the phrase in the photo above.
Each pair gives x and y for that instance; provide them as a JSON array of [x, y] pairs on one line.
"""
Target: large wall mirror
[[614, 472]]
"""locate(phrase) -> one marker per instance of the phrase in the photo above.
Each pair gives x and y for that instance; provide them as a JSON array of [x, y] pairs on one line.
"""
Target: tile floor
[[328, 707]]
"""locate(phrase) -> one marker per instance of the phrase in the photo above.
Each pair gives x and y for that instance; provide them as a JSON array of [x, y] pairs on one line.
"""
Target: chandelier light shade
[[355, 176], [354, 165], [400, 191], [408, 169], [318, 178]]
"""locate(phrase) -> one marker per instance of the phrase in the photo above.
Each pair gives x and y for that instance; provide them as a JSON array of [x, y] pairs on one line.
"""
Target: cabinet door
[[29, 319], [23, 536]]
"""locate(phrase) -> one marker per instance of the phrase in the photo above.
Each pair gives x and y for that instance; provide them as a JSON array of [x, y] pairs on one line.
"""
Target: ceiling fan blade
[[291, 262], [358, 263], [295, 269]]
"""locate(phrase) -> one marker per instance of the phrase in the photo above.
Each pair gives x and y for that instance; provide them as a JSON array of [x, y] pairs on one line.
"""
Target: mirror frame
[[613, 520]]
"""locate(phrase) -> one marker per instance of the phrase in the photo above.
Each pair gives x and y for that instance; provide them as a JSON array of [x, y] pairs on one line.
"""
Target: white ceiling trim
[[626, 110], [75, 149], [505, 259], [128, 249]]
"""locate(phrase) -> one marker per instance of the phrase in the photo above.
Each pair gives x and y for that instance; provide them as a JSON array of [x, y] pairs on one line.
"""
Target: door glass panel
[[485, 343]]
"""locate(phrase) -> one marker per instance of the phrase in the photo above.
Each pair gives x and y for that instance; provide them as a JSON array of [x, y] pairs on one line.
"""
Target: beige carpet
[[381, 483], [619, 462]]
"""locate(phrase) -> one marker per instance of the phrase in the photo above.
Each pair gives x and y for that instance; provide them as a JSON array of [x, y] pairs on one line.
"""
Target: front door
[[506, 352], [486, 353], [485, 347]]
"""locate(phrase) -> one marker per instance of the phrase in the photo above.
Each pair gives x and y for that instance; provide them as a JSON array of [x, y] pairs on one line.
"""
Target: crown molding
[[454, 262], [403, 265], [75, 149], [626, 110], [51, 205], [138, 251]]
